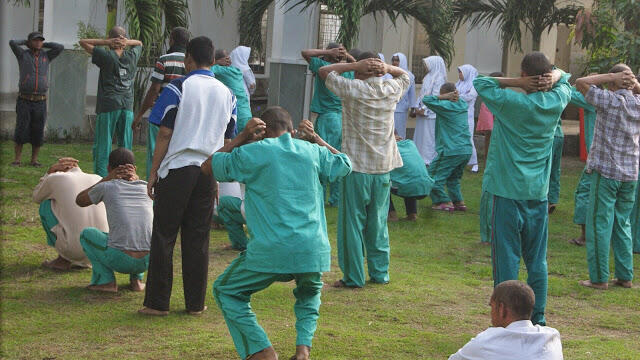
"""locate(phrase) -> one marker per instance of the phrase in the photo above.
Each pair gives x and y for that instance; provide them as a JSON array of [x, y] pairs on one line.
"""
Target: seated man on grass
[[512, 336], [285, 216], [61, 218], [125, 248]]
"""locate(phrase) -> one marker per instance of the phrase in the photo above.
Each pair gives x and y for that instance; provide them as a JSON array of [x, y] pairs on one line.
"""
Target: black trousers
[[410, 203], [30, 119], [183, 201]]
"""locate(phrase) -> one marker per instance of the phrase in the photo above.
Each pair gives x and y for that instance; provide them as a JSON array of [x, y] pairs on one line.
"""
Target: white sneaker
[[474, 169]]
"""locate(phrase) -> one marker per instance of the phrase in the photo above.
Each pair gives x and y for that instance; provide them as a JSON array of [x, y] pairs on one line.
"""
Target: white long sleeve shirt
[[519, 340]]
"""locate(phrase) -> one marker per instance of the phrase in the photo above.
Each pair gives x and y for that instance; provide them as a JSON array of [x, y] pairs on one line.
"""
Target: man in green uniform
[[288, 236], [613, 164], [453, 145], [231, 214], [114, 102], [326, 104], [556, 159], [581, 195], [516, 177], [232, 77], [411, 181]]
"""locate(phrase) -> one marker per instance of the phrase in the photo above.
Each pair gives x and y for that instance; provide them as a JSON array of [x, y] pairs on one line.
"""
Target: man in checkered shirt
[[368, 104], [613, 162]]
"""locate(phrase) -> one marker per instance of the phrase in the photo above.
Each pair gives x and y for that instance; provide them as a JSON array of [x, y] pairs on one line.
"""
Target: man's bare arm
[[366, 66], [532, 83], [147, 103], [126, 172], [162, 145], [624, 79], [305, 129], [394, 70]]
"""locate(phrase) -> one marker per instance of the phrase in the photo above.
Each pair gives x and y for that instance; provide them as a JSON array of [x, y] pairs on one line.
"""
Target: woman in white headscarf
[[466, 75], [425, 135], [407, 100], [240, 59]]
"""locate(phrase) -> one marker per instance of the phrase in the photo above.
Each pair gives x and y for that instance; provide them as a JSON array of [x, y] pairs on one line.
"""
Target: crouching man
[[125, 248]]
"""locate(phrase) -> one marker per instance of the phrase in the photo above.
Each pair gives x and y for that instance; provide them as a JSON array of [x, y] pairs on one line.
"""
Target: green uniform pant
[[520, 229], [362, 226], [635, 222], [241, 124], [152, 133], [487, 206], [329, 127], [447, 170], [107, 124], [233, 289], [608, 224], [231, 216], [48, 220], [554, 178], [105, 260], [582, 198]]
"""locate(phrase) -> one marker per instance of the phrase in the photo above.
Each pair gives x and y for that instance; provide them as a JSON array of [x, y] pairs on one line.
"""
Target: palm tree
[[434, 15], [537, 16]]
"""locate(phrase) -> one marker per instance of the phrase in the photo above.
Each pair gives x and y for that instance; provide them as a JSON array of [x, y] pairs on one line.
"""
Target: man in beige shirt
[[61, 218], [368, 106]]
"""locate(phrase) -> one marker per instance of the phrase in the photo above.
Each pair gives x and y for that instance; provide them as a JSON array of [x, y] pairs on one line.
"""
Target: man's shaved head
[[277, 119], [447, 88], [333, 45], [221, 53], [619, 68], [116, 32]]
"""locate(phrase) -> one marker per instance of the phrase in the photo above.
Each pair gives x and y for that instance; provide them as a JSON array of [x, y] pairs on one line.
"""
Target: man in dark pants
[[31, 106], [183, 195]]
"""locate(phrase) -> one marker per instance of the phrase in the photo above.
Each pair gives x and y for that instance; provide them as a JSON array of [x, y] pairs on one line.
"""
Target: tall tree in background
[[434, 15], [536, 16], [610, 34]]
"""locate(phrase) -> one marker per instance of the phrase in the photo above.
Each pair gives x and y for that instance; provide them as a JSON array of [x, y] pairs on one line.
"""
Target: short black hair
[[367, 55], [516, 296], [333, 45], [536, 63], [355, 52], [180, 36], [619, 68], [201, 50], [277, 119], [121, 156], [220, 53], [116, 32], [447, 88], [497, 74]]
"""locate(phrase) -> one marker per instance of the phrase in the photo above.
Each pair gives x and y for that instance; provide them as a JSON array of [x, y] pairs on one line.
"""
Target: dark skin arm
[[306, 132], [147, 103], [125, 172], [114, 43], [532, 83], [621, 80], [162, 145], [335, 53]]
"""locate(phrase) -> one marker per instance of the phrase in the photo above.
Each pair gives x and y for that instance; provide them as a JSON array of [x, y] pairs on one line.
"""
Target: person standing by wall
[[31, 105]]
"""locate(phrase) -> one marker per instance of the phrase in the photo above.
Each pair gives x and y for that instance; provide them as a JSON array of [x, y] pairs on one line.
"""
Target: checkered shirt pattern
[[367, 120], [615, 150]]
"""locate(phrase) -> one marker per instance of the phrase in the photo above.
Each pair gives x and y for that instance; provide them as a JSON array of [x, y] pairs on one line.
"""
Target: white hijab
[[435, 78], [465, 87], [404, 65], [240, 58]]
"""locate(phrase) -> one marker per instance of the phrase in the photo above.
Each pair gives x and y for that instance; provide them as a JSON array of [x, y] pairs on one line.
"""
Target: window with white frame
[[258, 60], [329, 27]]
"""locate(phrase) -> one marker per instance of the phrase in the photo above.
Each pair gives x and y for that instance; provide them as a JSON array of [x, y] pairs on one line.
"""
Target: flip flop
[[576, 242], [460, 207], [443, 207]]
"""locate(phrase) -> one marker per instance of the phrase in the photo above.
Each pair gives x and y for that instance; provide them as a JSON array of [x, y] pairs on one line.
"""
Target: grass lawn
[[436, 301]]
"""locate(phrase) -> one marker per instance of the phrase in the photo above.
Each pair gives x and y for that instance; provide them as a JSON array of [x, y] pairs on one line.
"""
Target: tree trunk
[[536, 41]]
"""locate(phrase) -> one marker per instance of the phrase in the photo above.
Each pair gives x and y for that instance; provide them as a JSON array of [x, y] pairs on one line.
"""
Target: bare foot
[[552, 208], [627, 284], [153, 312], [58, 263], [412, 217], [392, 217], [137, 285], [196, 313], [577, 241], [599, 286], [230, 248], [302, 353], [264, 354], [342, 284], [110, 287]]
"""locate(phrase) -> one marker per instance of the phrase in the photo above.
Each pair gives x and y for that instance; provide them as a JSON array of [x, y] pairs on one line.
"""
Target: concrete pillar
[[289, 80]]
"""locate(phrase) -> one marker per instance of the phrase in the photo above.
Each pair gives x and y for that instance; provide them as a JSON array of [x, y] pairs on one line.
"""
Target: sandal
[[576, 241], [443, 207], [460, 207]]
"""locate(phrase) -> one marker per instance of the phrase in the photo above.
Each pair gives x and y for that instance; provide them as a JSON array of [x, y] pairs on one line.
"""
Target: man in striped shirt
[[169, 66]]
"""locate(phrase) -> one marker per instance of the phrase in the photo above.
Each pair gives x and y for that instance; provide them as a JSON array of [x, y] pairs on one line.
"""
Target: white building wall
[[205, 21], [16, 22], [483, 49]]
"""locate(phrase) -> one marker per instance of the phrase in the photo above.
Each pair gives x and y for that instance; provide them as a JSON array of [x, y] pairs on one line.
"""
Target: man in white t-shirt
[[199, 113], [512, 336]]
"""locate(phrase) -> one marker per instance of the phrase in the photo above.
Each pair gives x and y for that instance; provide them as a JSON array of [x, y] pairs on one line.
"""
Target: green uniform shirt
[[559, 132], [115, 84], [284, 201], [412, 179], [578, 100], [232, 77], [324, 100], [519, 161], [452, 129]]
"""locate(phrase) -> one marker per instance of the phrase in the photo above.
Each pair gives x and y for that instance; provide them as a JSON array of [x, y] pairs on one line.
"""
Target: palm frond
[[176, 13], [250, 16]]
